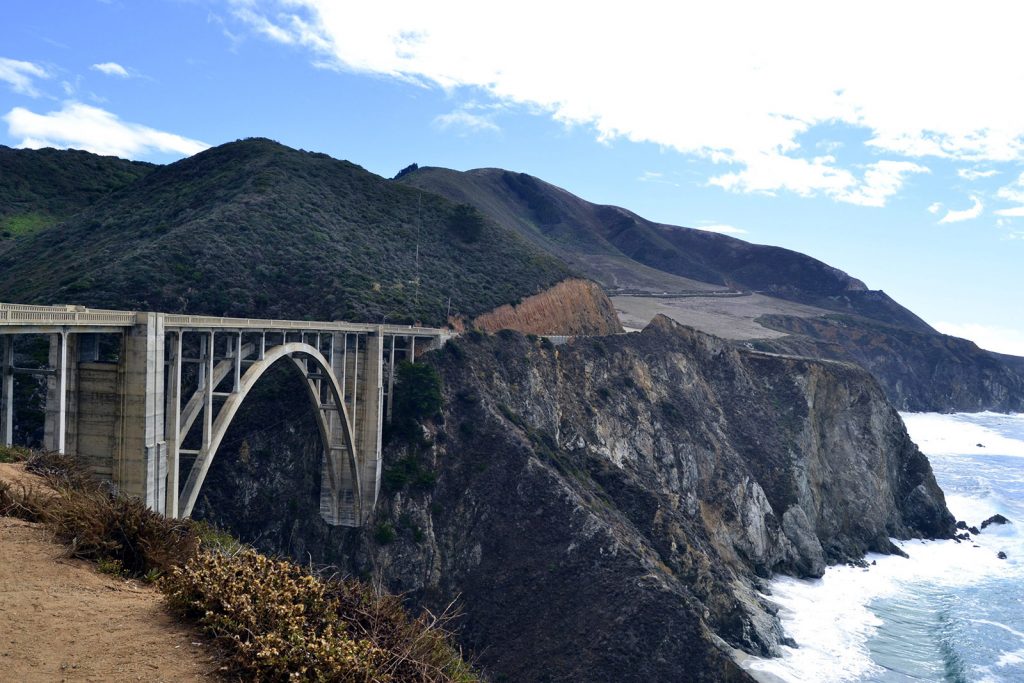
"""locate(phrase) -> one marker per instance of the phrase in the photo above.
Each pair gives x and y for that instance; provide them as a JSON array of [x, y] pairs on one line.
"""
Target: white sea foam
[[961, 434], [831, 619]]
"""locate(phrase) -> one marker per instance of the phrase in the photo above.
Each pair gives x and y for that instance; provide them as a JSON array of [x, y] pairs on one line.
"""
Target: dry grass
[[276, 621], [571, 307], [281, 622]]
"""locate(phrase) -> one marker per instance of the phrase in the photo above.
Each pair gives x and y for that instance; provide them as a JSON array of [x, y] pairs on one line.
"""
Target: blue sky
[[887, 141]]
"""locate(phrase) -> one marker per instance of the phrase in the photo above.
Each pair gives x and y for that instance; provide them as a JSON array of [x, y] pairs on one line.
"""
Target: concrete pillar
[[98, 427], [173, 428], [142, 466], [368, 434], [61, 418], [237, 380], [391, 377], [353, 414], [7, 392], [338, 502], [206, 364]]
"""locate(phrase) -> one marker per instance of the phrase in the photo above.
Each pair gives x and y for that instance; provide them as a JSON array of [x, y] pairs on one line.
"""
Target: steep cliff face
[[919, 372], [572, 307], [604, 510]]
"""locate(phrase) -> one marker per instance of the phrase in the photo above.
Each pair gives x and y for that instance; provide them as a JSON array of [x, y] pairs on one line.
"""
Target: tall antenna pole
[[419, 225]]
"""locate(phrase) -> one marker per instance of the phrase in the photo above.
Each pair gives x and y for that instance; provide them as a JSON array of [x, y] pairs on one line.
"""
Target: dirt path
[[61, 620]]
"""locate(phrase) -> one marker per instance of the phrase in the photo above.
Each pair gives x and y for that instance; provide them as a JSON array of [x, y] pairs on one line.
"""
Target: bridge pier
[[141, 465], [369, 421], [7, 391]]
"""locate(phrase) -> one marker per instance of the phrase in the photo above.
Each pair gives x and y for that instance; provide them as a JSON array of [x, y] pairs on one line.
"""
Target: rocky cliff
[[918, 371], [604, 510], [572, 307]]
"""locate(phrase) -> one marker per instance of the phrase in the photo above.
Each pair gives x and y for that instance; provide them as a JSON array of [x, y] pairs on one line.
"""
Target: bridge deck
[[40, 317]]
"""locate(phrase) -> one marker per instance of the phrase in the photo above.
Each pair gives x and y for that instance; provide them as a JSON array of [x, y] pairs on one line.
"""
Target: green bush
[[14, 454], [384, 533], [466, 222], [417, 397]]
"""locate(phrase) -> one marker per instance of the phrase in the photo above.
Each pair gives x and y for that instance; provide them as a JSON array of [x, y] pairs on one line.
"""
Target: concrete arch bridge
[[152, 420]]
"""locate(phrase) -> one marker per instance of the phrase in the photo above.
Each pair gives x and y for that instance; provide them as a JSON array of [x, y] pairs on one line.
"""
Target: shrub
[[102, 527], [466, 222], [409, 471], [25, 502], [419, 393], [276, 620], [417, 396], [384, 533], [14, 454], [61, 471]]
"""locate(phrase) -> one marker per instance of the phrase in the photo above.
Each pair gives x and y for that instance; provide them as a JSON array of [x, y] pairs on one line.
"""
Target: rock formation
[[608, 509]]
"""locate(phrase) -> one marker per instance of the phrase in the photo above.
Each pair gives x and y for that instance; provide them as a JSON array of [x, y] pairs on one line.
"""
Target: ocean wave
[[967, 433], [938, 614]]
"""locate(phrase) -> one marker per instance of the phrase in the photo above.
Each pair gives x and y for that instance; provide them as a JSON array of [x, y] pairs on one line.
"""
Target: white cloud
[[466, 121], [1014, 192], [81, 126], [769, 173], [111, 69], [935, 208], [722, 229], [965, 215], [881, 180], [19, 75], [694, 78], [975, 174], [993, 338]]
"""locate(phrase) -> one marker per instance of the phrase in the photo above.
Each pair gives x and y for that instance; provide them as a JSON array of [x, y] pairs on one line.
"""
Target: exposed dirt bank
[[63, 620]]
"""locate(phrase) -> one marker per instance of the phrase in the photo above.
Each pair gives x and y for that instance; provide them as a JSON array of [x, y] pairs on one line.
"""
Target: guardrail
[[21, 314]]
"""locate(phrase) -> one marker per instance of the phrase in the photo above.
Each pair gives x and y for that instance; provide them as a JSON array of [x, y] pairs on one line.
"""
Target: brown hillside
[[569, 308]]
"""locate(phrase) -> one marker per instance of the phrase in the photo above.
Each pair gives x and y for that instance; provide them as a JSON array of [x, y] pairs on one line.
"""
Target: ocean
[[952, 611]]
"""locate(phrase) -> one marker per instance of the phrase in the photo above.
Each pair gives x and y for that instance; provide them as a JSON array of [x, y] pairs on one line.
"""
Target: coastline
[[913, 619]]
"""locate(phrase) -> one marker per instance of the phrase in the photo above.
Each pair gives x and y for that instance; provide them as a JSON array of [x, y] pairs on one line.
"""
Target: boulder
[[995, 519]]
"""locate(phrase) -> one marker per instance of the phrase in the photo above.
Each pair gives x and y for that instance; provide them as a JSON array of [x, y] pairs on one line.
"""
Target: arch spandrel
[[234, 401]]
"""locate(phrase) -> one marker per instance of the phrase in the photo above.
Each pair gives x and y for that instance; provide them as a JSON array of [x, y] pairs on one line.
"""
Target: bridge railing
[[175, 320], [22, 314]]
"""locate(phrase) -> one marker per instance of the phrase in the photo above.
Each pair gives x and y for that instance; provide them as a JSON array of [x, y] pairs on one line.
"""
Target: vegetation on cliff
[[572, 307]]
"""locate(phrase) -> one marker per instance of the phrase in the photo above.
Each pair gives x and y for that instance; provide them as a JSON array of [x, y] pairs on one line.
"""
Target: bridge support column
[[142, 464], [338, 504], [7, 392], [369, 423], [173, 427], [61, 419]]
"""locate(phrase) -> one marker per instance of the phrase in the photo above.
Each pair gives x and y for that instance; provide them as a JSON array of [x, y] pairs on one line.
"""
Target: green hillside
[[40, 188], [254, 228]]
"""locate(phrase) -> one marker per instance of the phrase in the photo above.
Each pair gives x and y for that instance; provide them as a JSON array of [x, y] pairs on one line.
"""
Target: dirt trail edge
[[60, 619]]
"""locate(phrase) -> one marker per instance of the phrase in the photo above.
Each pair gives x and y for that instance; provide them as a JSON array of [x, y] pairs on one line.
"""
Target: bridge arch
[[339, 470]]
